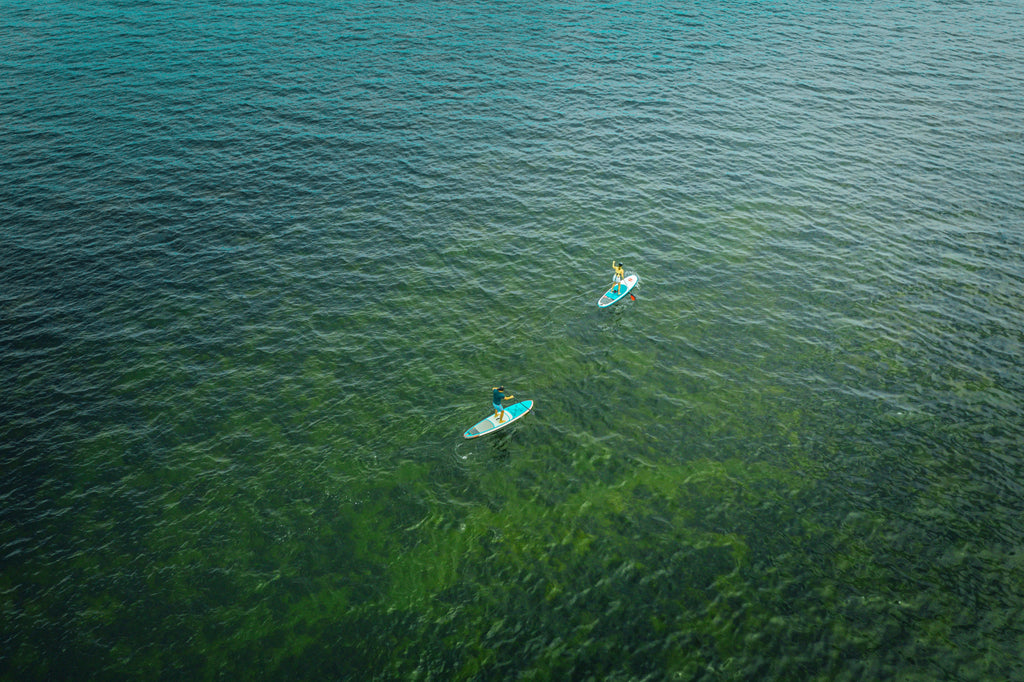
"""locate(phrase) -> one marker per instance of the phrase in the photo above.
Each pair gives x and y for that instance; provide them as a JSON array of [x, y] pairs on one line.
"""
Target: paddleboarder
[[496, 398], [620, 273]]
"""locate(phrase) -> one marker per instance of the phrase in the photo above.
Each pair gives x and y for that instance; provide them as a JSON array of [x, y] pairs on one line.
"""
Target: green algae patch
[[563, 574]]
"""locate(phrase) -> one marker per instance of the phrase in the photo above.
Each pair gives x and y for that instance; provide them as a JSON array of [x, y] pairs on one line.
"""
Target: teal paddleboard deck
[[489, 425], [617, 292]]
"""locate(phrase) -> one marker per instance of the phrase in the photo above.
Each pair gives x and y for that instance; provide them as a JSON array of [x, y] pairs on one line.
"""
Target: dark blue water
[[261, 264]]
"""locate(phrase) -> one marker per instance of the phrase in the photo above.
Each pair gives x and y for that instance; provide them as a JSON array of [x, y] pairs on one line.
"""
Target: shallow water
[[262, 263]]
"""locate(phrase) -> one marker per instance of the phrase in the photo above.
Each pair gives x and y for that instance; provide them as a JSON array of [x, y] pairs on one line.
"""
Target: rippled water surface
[[261, 264]]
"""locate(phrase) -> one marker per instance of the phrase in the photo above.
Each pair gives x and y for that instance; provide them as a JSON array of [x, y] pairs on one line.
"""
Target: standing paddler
[[496, 398]]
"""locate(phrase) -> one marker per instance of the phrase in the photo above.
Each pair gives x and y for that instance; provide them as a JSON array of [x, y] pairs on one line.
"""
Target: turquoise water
[[261, 264]]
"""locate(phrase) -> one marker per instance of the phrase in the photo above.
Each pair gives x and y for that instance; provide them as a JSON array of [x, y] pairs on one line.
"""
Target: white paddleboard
[[489, 425], [619, 290]]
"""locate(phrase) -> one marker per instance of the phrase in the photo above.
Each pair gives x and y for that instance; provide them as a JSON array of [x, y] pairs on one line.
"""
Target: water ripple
[[260, 271]]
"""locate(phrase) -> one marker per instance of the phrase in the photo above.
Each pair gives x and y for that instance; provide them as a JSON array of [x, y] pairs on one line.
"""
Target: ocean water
[[261, 264]]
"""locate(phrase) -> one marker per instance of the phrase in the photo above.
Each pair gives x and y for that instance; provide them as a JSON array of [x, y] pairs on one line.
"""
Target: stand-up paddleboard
[[512, 413], [619, 290]]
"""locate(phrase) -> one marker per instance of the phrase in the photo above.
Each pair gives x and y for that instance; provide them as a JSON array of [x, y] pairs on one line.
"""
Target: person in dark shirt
[[496, 398]]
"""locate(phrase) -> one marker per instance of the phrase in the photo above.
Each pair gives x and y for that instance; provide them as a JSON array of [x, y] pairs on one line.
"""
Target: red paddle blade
[[632, 297]]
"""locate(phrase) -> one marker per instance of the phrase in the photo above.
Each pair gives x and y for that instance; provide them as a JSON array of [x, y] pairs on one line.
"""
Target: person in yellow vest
[[620, 274]]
